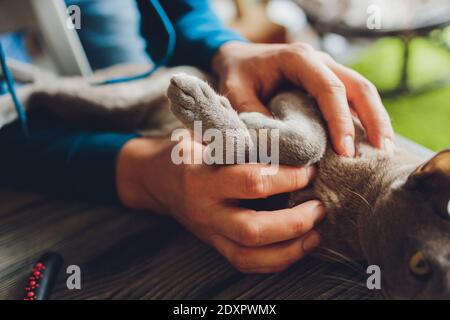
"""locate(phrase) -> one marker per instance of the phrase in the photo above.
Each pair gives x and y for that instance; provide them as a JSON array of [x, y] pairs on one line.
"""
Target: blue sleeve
[[56, 158], [199, 31]]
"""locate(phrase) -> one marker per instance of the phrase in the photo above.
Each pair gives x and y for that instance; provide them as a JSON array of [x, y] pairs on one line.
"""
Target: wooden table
[[137, 255]]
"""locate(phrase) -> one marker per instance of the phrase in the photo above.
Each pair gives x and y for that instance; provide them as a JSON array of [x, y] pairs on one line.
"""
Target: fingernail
[[310, 172], [311, 242], [349, 145], [316, 211], [388, 145], [319, 211]]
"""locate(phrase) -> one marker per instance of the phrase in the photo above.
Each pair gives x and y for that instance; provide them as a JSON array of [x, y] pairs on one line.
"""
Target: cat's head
[[408, 234]]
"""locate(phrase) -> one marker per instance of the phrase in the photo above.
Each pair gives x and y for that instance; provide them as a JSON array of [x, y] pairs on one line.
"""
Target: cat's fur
[[382, 208], [379, 210]]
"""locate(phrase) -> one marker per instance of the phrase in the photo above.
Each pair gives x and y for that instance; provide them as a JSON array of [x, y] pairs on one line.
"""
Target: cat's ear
[[433, 179]]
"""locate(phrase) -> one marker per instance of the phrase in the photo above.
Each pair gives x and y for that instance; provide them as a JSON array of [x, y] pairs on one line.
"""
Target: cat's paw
[[192, 99], [190, 96], [181, 94]]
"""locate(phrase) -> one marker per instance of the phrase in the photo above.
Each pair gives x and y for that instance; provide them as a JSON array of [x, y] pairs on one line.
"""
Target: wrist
[[138, 174], [224, 53]]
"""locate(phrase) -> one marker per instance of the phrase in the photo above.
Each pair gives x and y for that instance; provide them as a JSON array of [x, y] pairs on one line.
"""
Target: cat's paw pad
[[190, 96]]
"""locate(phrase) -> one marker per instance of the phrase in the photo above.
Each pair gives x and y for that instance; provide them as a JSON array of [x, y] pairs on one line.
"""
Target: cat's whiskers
[[333, 255], [383, 295], [341, 256], [350, 285], [353, 284], [361, 197]]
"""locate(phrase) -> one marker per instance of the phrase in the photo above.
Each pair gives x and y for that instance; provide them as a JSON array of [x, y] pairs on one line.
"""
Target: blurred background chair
[[53, 44], [430, 16]]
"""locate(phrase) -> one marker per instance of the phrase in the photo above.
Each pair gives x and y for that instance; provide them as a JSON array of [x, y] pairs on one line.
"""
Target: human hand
[[204, 199], [250, 74]]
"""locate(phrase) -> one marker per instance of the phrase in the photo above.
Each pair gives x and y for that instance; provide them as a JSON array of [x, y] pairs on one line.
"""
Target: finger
[[249, 181], [255, 229], [242, 96], [367, 103], [268, 259], [301, 66]]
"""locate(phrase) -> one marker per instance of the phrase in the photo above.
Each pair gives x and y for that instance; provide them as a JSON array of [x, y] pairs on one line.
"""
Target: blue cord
[[169, 53], [12, 91], [3, 89]]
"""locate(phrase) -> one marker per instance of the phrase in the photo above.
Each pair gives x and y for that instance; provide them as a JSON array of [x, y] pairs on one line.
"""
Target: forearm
[[143, 169]]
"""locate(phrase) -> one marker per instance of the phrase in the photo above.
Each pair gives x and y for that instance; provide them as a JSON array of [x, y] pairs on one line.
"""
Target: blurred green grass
[[424, 118]]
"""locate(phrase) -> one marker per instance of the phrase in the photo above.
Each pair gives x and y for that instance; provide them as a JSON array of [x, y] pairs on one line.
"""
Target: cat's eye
[[419, 265], [445, 211], [448, 208]]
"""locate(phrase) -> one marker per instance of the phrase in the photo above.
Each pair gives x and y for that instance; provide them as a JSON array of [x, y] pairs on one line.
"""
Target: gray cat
[[388, 209], [383, 207]]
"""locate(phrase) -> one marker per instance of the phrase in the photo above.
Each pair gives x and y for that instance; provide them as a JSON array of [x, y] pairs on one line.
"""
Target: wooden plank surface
[[137, 255]]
